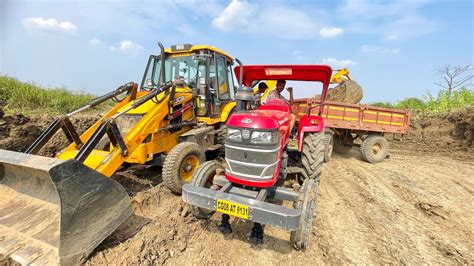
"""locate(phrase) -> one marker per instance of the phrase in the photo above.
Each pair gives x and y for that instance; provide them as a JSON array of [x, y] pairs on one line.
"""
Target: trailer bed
[[358, 117]]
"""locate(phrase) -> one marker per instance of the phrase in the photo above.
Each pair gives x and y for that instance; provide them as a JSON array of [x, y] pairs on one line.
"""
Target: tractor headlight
[[264, 137], [234, 134]]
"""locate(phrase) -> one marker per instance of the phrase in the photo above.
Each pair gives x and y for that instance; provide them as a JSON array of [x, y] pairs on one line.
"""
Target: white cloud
[[95, 41], [236, 15], [394, 20], [127, 47], [336, 63], [49, 24], [378, 49], [276, 20], [330, 32]]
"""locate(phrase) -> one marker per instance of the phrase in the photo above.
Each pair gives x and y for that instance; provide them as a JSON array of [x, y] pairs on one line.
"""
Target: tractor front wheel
[[204, 177], [312, 156], [374, 148], [180, 165], [306, 204]]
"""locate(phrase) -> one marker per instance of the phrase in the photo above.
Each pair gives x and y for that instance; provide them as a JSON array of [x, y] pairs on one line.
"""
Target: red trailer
[[347, 122]]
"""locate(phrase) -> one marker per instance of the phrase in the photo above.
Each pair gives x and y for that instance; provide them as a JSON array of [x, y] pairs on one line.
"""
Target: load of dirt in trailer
[[349, 91]]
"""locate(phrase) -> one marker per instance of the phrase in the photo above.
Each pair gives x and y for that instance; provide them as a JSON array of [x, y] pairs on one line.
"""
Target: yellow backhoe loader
[[57, 210]]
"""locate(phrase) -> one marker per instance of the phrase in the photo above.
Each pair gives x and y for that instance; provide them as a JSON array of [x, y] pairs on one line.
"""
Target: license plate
[[232, 208]]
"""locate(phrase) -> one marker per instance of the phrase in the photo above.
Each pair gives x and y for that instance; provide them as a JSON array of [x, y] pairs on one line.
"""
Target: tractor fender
[[226, 111], [308, 124]]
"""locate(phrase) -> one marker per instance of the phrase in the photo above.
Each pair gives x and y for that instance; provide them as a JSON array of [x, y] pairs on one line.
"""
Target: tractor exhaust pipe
[[244, 94]]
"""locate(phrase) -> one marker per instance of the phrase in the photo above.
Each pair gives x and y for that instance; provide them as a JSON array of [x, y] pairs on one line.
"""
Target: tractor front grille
[[251, 163]]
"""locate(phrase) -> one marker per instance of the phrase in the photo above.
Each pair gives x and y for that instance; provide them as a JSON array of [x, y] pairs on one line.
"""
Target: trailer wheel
[[307, 203], [203, 177], [328, 145], [342, 148], [374, 148], [312, 156], [180, 165]]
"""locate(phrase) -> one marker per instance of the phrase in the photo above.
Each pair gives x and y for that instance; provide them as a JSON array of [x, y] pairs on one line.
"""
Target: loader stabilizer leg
[[54, 211]]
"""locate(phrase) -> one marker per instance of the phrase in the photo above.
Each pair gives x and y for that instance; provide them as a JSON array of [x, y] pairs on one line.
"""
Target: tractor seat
[[275, 105]]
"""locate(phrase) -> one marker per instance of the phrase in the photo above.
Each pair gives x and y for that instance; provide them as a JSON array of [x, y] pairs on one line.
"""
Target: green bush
[[431, 105], [27, 97], [383, 104]]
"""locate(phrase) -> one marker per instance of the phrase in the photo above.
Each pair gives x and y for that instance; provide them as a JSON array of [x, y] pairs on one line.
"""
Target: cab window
[[223, 85], [230, 78]]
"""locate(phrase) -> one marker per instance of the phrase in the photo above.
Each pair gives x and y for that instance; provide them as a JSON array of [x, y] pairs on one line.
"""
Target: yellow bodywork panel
[[144, 138], [271, 84], [226, 110], [337, 78], [195, 48]]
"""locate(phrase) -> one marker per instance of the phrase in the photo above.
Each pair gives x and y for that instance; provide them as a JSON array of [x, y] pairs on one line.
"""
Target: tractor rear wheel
[[306, 204], [312, 156], [203, 178], [181, 164], [374, 148], [328, 144]]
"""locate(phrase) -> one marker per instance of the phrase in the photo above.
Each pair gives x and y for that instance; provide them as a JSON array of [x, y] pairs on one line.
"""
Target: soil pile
[[449, 133], [17, 132], [349, 91]]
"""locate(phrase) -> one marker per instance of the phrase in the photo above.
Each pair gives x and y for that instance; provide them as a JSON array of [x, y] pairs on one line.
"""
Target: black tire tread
[[172, 162], [312, 157], [328, 140], [198, 180], [307, 203], [366, 147]]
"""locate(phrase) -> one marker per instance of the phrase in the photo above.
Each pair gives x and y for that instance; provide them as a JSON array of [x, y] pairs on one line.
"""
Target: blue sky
[[392, 48]]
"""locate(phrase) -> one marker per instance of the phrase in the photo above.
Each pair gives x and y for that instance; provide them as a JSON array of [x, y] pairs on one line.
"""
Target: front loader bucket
[[54, 211]]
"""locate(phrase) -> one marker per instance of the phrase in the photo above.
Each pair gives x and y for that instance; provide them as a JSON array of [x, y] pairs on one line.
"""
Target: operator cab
[[205, 70]]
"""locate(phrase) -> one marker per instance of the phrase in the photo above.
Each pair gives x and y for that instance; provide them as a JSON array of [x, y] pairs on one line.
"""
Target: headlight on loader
[[234, 134], [264, 137]]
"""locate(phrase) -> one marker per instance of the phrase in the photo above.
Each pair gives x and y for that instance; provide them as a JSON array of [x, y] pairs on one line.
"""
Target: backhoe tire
[[181, 164], [203, 177], [341, 148], [306, 204], [374, 149], [328, 145], [312, 156]]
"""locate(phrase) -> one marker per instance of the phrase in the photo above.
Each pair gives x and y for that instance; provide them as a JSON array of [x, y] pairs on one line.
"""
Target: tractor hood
[[258, 119]]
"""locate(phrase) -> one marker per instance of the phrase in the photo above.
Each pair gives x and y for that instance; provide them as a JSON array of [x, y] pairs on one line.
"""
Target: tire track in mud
[[395, 188], [409, 209]]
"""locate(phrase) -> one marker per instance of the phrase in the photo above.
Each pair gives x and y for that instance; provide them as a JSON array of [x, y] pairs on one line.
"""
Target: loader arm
[[150, 124]]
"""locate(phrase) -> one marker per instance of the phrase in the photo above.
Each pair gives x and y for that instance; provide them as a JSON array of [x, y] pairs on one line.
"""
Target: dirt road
[[412, 208], [416, 207]]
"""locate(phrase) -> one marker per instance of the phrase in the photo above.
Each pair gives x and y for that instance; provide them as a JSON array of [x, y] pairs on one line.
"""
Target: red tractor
[[259, 157]]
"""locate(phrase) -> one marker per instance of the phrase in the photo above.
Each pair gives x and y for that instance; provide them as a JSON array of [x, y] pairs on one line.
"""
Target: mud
[[415, 207], [409, 209], [17, 132], [451, 134]]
